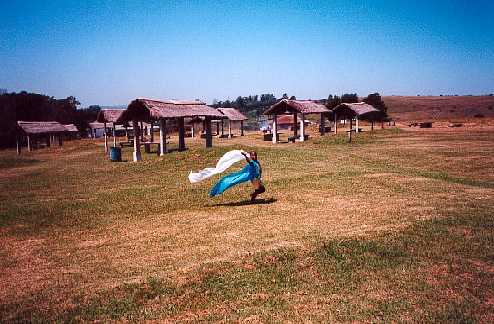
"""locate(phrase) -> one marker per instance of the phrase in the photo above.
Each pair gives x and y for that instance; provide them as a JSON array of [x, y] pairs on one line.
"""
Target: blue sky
[[109, 52]]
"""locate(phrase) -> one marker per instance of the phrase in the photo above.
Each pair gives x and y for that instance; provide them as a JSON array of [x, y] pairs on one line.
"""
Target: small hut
[[109, 116], [356, 111], [35, 131], [233, 115], [163, 110], [295, 107], [72, 131]]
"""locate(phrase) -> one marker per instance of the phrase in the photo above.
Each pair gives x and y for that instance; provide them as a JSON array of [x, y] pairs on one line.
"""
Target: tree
[[375, 100], [285, 96], [86, 115], [293, 98], [349, 98], [333, 101]]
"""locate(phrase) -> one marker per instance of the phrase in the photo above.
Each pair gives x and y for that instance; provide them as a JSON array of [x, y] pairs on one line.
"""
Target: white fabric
[[226, 161]]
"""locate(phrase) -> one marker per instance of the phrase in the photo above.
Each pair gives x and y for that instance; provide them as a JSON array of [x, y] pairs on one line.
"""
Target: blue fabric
[[251, 171]]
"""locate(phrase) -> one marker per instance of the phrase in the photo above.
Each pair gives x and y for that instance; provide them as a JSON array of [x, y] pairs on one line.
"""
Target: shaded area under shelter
[[34, 131], [233, 115], [294, 108], [357, 111]]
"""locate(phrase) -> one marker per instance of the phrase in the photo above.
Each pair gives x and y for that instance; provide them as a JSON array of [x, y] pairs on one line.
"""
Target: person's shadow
[[247, 202]]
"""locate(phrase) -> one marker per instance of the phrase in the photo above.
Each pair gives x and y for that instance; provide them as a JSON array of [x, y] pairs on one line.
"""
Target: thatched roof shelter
[[34, 131], [71, 128], [286, 106], [233, 114], [162, 110], [96, 125], [360, 109], [109, 115], [148, 109], [295, 107], [41, 127]]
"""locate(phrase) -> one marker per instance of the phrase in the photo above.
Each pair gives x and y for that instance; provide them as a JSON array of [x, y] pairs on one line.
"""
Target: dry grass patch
[[348, 232]]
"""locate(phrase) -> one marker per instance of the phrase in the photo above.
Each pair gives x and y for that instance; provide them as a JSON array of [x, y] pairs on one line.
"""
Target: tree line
[[37, 107], [257, 104]]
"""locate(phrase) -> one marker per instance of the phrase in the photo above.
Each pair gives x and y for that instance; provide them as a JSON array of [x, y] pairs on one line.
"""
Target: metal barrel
[[115, 154]]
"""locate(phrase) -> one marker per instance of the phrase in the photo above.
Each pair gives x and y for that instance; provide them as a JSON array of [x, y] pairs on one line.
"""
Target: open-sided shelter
[[295, 107], [33, 131], [359, 110], [109, 116], [233, 115], [162, 110], [72, 131]]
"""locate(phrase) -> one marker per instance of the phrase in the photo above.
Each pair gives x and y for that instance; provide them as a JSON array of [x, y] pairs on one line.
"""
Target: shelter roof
[[148, 109], [233, 114], [360, 109], [71, 128], [109, 115], [41, 127], [287, 106], [96, 125]]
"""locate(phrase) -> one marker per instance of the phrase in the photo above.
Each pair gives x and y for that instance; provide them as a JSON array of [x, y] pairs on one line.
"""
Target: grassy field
[[397, 226], [473, 109]]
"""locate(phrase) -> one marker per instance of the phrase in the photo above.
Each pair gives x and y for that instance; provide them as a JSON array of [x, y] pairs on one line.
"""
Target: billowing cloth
[[251, 171], [226, 161]]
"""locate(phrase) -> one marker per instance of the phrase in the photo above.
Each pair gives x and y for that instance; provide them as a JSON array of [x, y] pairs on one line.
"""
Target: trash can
[[115, 154]]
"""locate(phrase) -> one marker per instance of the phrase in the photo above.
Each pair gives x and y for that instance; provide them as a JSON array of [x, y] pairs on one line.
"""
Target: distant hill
[[402, 108]]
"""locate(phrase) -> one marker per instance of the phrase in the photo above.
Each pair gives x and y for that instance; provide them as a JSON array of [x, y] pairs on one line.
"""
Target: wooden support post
[[19, 145], [141, 132], [222, 127], [48, 140], [322, 126], [335, 123], [192, 130], [114, 136], [372, 125], [29, 144], [350, 132], [106, 138], [241, 128], [162, 137], [60, 139], [295, 126], [275, 129], [382, 124], [218, 128], [126, 132], [356, 124], [302, 128], [137, 144], [229, 128], [209, 135], [152, 131], [181, 134]]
